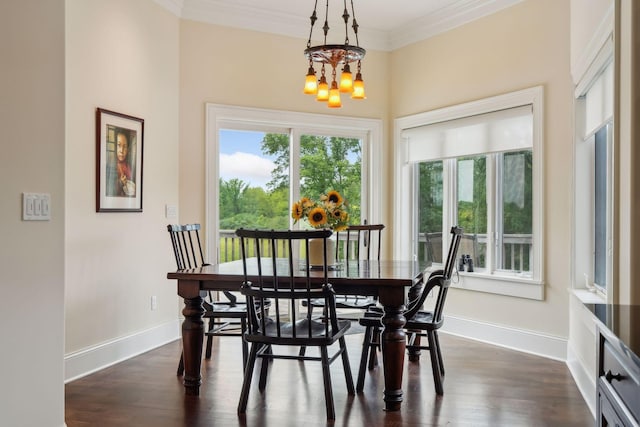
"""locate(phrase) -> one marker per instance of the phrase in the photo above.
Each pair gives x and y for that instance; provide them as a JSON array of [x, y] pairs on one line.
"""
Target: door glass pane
[[472, 208], [516, 252], [430, 191], [332, 163], [254, 185]]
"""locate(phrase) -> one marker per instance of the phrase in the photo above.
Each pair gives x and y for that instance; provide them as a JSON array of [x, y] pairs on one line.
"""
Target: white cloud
[[248, 167]]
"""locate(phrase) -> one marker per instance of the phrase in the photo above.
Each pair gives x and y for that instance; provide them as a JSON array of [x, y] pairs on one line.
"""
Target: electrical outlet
[[154, 302]]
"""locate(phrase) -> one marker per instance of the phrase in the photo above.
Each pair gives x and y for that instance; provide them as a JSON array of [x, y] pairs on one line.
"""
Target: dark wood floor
[[484, 386]]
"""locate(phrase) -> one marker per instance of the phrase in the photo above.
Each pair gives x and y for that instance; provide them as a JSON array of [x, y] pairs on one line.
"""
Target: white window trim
[[597, 56], [225, 116], [504, 284]]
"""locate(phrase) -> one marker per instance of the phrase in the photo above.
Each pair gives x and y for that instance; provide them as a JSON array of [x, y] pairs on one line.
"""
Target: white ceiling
[[384, 24]]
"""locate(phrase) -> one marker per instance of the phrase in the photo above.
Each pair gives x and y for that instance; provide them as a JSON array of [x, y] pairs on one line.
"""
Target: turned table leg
[[393, 348], [192, 337]]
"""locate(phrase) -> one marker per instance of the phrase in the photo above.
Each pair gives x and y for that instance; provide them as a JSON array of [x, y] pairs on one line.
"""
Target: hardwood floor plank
[[484, 386]]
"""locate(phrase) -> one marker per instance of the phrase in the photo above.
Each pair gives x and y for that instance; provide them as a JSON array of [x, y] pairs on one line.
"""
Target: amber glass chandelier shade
[[323, 90], [358, 88], [346, 80], [311, 85], [334, 96]]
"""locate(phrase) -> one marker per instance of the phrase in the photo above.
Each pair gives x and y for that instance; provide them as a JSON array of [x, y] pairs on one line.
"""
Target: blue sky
[[240, 157]]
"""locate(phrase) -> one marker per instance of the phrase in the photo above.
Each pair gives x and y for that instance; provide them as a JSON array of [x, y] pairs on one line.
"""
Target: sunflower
[[296, 210], [317, 217], [334, 197], [306, 202]]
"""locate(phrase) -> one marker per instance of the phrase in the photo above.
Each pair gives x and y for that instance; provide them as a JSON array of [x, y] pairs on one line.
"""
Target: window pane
[[517, 207], [332, 163], [472, 207], [430, 190], [254, 185], [600, 209]]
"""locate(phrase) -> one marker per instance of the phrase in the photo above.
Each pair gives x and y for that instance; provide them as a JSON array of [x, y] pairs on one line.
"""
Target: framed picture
[[119, 141]]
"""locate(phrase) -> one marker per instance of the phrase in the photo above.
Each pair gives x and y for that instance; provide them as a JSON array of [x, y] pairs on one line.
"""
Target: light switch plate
[[171, 211], [36, 206]]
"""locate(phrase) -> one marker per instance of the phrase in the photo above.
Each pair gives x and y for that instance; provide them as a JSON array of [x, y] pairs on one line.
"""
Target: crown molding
[[173, 6], [240, 16], [445, 19]]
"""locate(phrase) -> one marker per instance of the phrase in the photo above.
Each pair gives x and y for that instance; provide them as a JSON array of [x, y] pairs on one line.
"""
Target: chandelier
[[334, 55]]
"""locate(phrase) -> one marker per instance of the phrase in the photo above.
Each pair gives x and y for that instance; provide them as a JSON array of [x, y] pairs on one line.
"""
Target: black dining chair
[[286, 282], [420, 323], [361, 243], [226, 315], [357, 243]]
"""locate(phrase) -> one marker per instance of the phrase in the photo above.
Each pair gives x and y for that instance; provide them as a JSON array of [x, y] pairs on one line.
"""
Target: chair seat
[[355, 302], [358, 302], [301, 328], [225, 310], [371, 319], [422, 320]]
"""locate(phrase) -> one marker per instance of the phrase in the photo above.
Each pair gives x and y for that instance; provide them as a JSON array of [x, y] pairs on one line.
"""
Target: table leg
[[393, 347], [192, 337]]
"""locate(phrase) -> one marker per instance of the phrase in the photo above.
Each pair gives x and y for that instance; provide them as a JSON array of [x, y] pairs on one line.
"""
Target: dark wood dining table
[[388, 280]]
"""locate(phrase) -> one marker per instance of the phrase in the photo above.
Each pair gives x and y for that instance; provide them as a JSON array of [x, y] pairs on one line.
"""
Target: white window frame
[[404, 225], [600, 59], [219, 116]]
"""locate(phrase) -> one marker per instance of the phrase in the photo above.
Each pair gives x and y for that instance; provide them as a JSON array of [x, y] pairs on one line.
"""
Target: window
[[260, 161], [593, 214], [475, 165]]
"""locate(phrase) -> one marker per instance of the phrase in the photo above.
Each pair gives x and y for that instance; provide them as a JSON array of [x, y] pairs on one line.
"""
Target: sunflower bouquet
[[329, 212]]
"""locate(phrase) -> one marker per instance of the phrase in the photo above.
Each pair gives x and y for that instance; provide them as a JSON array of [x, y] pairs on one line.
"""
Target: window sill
[[588, 297], [513, 286]]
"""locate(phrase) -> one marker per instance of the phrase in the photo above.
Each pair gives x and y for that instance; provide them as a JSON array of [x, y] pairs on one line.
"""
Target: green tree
[[472, 215], [518, 218], [277, 144], [326, 163], [230, 196], [430, 196]]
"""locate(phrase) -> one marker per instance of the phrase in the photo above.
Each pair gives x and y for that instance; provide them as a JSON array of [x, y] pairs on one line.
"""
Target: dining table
[[387, 280]]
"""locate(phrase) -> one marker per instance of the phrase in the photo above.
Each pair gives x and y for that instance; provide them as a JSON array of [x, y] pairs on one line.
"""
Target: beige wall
[[32, 253], [586, 17], [121, 56], [505, 52], [235, 67]]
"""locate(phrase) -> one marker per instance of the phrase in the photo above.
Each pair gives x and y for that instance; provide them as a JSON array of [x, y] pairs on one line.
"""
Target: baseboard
[[87, 361], [584, 380], [504, 336]]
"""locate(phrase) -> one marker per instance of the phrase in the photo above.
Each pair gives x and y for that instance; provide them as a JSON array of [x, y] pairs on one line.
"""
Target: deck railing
[[230, 247], [516, 249]]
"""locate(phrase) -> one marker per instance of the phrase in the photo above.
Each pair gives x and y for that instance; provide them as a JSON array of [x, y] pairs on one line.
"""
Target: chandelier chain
[[326, 22], [345, 16], [354, 24], [313, 18]]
